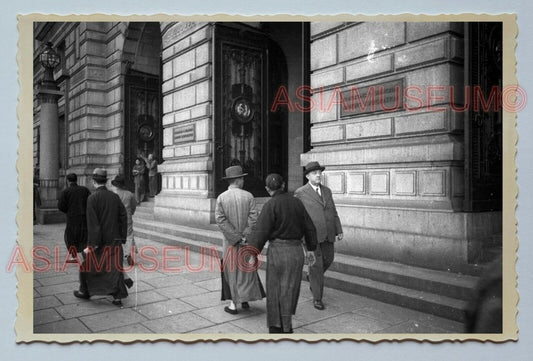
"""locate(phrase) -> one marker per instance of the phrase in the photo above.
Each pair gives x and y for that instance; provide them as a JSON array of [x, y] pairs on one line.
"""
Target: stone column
[[49, 155]]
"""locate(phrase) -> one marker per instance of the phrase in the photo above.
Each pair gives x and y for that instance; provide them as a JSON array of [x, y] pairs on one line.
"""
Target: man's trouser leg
[[83, 276], [324, 258]]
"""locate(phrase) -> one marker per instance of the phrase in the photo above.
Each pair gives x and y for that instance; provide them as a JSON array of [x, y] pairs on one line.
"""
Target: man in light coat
[[236, 215], [318, 202]]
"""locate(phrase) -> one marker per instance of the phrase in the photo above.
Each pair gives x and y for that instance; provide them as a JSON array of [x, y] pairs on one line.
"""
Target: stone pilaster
[[186, 195], [49, 156]]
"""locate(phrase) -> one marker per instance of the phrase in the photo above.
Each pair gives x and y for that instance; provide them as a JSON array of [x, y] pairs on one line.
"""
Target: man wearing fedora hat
[[236, 215], [107, 224], [130, 203], [318, 202]]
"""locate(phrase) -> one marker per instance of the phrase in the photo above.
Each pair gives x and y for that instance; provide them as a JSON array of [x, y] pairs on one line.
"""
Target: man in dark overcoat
[[318, 202], [73, 202], [107, 223]]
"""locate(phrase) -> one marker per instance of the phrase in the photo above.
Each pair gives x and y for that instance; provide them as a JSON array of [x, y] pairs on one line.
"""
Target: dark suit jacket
[[73, 200], [322, 211], [107, 220]]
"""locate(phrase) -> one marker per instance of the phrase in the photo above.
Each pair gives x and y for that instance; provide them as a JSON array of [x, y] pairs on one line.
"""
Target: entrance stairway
[[439, 293]]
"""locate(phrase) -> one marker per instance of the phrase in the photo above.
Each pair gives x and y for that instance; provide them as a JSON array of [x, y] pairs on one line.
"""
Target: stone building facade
[[385, 107]]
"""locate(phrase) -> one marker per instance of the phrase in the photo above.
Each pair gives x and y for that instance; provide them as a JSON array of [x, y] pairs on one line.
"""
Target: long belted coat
[[236, 215]]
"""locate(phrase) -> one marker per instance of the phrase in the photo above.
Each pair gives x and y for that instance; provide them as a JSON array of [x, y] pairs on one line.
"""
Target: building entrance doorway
[[251, 67], [142, 97]]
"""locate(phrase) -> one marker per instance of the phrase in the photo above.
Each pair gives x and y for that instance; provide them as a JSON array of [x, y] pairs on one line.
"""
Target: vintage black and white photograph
[[256, 179]]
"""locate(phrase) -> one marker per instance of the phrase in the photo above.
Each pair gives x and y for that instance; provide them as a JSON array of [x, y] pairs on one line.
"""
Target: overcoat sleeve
[[252, 218], [309, 231], [228, 230], [62, 203], [265, 222], [123, 220], [338, 226], [94, 229]]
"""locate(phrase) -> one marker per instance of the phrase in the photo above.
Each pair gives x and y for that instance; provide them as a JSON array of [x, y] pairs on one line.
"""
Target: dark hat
[[274, 181], [72, 177], [311, 166], [234, 172], [119, 181], [100, 175]]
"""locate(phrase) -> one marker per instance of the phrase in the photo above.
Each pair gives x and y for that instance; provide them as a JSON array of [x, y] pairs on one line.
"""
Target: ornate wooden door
[[249, 68], [143, 133]]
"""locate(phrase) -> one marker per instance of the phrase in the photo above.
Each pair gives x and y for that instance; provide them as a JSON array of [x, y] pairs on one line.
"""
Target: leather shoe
[[274, 329], [117, 302], [318, 304], [79, 294], [128, 282], [245, 305], [229, 310]]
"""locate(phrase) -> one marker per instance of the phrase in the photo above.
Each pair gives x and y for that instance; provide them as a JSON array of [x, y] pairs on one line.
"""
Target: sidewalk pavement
[[171, 301]]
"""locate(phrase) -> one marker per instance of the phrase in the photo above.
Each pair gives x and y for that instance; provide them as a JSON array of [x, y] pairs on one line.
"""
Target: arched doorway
[[143, 131], [250, 68]]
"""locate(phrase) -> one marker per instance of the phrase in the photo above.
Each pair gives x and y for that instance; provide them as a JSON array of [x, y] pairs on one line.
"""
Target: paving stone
[[347, 301], [204, 300], [347, 323], [59, 279], [164, 309], [112, 319], [306, 313], [142, 298], [135, 328], [380, 314], [45, 316], [253, 324], [222, 328], [40, 303], [202, 276], [60, 288], [140, 286], [46, 274], [411, 326], [147, 275], [218, 315], [85, 307], [210, 285], [67, 326], [182, 323], [167, 281], [181, 291], [302, 330], [257, 323]]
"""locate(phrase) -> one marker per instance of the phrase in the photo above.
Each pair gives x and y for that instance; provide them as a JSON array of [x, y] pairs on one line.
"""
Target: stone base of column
[[49, 216]]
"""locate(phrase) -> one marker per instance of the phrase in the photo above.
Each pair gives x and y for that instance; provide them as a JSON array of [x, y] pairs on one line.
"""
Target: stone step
[[162, 229], [448, 284], [143, 213], [436, 292], [427, 302]]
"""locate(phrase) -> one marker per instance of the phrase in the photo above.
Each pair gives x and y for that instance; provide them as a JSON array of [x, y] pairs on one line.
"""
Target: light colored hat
[[234, 172], [100, 175]]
